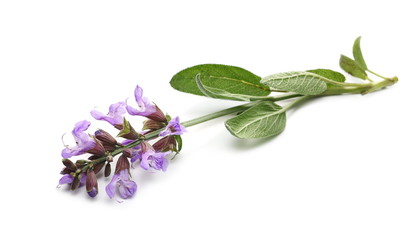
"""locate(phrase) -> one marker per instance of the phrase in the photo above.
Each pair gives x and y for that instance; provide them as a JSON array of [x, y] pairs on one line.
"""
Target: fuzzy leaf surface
[[306, 83], [222, 94], [231, 79], [262, 120]]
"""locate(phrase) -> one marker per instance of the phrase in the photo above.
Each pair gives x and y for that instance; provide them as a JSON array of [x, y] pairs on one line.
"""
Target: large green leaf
[[352, 67], [357, 54], [264, 119], [305, 83], [329, 74], [234, 80]]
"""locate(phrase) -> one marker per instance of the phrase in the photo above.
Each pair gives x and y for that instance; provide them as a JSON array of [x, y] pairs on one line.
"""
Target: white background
[[344, 168]]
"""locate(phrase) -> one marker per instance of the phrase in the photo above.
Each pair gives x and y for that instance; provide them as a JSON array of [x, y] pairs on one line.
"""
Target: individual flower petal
[[111, 187], [121, 181], [83, 141], [127, 187], [93, 192], [173, 128], [145, 106], [155, 160], [114, 116], [67, 178]]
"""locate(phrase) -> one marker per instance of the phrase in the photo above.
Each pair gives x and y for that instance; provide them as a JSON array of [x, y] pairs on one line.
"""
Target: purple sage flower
[[122, 182], [146, 108], [67, 179], [155, 160], [114, 116], [83, 141], [173, 128]]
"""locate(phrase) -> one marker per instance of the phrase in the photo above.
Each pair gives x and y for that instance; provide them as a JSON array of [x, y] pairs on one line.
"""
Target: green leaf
[[305, 83], [352, 67], [264, 119], [329, 74], [357, 54], [179, 143], [234, 80], [220, 93]]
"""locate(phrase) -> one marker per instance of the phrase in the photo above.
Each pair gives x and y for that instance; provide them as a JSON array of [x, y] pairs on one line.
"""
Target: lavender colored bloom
[[114, 116], [93, 192], [83, 141], [146, 108], [67, 179], [122, 182], [155, 160], [173, 128]]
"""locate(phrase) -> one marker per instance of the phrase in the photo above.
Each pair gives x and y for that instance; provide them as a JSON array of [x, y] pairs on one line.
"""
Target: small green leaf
[[352, 67], [179, 143], [220, 93], [357, 54], [234, 80], [329, 74], [264, 119], [305, 83]]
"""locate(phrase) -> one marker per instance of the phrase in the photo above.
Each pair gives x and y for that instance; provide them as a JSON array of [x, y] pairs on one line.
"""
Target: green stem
[[361, 88], [376, 74], [236, 109]]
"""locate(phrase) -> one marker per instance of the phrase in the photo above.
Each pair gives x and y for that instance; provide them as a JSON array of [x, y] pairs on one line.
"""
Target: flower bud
[[91, 184], [127, 152], [105, 137], [153, 125], [98, 149], [158, 115], [76, 182], [69, 164], [145, 146], [107, 170], [66, 170], [165, 144], [109, 148], [122, 164], [98, 167]]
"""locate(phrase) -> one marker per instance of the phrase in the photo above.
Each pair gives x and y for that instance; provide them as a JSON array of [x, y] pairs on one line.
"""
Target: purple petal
[[67, 178], [114, 116], [173, 128], [111, 187], [144, 161], [145, 106], [79, 128], [93, 192], [127, 189], [83, 141]]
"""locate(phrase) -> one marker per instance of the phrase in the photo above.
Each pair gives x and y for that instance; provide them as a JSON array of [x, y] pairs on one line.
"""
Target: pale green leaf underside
[[220, 93], [264, 119], [357, 54], [231, 79], [305, 83], [352, 67]]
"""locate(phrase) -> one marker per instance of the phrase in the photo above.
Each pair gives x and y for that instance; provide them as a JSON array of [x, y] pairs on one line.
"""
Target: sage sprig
[[259, 117]]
